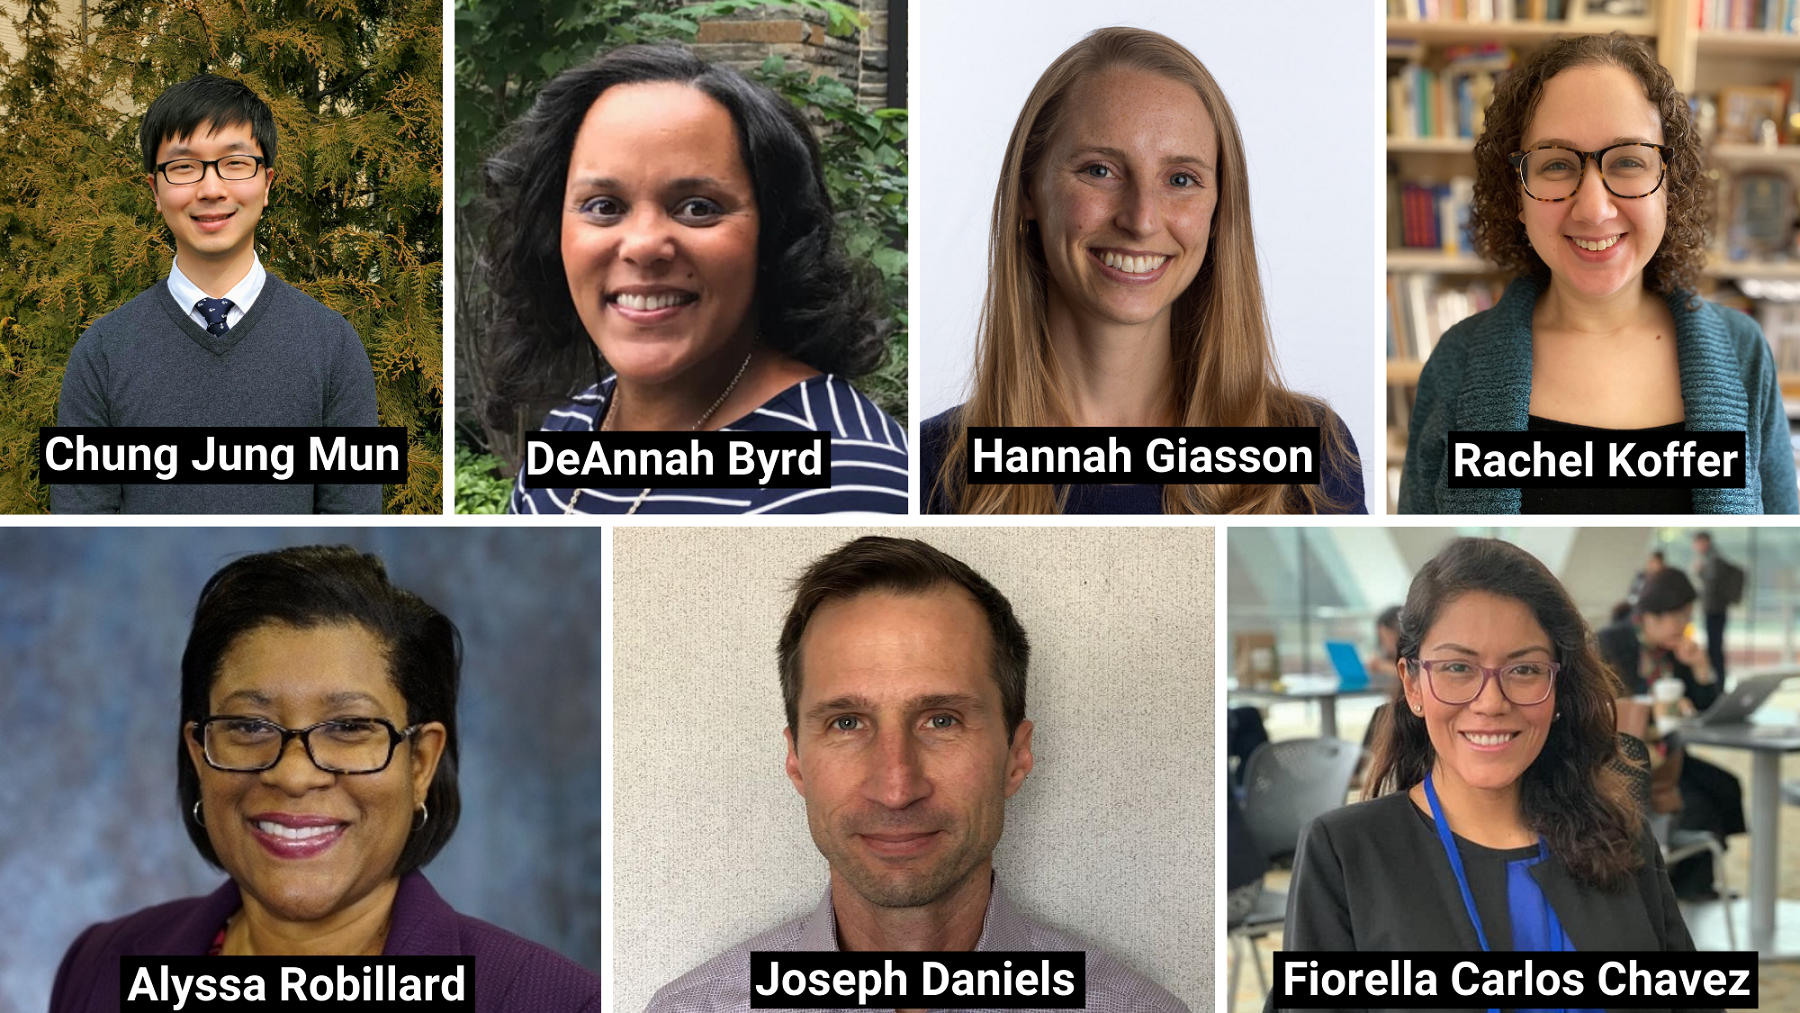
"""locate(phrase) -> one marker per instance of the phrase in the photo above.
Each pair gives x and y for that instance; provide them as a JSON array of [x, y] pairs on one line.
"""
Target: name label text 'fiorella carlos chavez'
[[993, 979], [198, 455], [1559, 460], [705, 460], [1106, 455], [1514, 980]]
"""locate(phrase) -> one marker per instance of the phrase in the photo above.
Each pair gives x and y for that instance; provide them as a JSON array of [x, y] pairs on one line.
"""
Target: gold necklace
[[606, 426]]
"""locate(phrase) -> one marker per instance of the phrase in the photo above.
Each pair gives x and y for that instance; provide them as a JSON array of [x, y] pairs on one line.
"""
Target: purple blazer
[[512, 973]]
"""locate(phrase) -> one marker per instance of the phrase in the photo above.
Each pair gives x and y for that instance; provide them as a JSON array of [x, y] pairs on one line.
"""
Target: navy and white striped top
[[868, 459]]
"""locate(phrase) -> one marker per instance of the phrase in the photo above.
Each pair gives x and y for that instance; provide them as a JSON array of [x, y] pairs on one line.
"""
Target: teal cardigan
[[1479, 378]]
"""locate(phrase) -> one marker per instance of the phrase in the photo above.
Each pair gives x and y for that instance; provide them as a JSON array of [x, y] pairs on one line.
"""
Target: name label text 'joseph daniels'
[[1150, 455]]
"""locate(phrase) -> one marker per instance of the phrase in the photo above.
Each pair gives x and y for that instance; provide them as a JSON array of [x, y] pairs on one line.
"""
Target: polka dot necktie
[[214, 311]]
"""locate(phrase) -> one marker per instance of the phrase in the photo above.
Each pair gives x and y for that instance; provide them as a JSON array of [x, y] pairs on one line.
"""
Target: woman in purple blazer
[[317, 767]]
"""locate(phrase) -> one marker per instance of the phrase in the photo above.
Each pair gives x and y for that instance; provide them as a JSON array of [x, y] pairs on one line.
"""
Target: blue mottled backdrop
[[92, 623]]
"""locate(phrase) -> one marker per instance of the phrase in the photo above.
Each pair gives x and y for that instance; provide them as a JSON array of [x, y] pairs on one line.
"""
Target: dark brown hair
[[904, 566], [1568, 795], [1494, 216]]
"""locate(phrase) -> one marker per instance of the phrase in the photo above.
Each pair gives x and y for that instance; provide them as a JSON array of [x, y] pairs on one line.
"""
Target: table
[[1326, 698], [1766, 743]]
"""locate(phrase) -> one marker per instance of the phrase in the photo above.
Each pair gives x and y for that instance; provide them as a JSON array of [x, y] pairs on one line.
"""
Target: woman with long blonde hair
[[1123, 289]]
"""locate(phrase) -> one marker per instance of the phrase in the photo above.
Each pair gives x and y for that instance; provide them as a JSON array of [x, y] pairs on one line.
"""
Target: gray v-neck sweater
[[289, 362]]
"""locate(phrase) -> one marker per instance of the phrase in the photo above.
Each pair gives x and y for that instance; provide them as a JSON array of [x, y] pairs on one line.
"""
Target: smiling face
[[1595, 244], [1124, 197], [1488, 743], [901, 749], [213, 219], [304, 844], [659, 230]]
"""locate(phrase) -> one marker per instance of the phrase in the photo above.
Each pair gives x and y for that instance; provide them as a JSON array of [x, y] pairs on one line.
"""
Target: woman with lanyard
[[1492, 820]]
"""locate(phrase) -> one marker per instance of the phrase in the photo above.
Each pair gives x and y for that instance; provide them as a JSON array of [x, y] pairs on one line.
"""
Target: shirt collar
[[1002, 928], [242, 295]]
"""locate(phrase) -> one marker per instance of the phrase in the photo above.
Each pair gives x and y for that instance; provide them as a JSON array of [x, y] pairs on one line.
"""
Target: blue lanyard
[[1456, 862], [1555, 939]]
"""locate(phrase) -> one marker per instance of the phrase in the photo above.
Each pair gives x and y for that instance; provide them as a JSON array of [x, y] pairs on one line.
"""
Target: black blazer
[[1373, 876]]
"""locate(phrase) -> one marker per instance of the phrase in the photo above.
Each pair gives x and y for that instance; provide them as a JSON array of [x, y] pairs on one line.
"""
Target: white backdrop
[[1302, 78], [1110, 838]]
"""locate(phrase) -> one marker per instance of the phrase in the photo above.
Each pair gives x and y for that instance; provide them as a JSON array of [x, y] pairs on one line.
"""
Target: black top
[[1342, 478], [1373, 877], [1606, 501], [1486, 869]]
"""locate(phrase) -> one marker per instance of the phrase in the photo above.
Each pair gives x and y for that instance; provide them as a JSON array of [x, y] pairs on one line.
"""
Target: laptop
[[1349, 665], [1736, 706]]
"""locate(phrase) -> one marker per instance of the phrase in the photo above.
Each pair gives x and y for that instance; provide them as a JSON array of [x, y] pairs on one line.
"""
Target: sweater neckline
[[1496, 388], [220, 344]]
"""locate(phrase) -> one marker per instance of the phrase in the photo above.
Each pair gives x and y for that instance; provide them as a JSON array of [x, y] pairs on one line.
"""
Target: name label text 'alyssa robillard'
[[1107, 455], [246, 984], [1553, 460], [1513, 980], [251, 455], [1049, 979], [709, 460]]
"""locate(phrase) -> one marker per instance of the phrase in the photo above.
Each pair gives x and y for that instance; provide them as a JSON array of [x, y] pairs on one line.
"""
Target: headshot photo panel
[[1590, 247], [443, 797], [945, 739], [1512, 738], [689, 225], [222, 274], [1145, 215]]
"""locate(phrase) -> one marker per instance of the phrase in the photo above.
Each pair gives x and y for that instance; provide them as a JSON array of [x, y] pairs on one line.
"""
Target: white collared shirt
[[242, 295]]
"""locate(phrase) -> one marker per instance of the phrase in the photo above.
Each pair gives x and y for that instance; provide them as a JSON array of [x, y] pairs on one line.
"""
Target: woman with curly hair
[[1590, 187], [1123, 289], [662, 224], [1494, 816]]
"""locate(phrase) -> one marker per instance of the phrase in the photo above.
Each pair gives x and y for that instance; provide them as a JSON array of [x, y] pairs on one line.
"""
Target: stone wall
[[798, 35]]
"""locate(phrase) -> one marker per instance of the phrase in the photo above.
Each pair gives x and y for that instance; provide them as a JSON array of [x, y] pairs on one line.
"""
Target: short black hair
[[318, 585], [206, 100], [814, 302], [1657, 555], [1389, 619], [1666, 590], [904, 566]]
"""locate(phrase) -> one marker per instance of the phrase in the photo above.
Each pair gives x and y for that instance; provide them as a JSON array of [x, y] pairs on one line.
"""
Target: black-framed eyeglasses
[[184, 171], [1551, 172], [246, 745], [1456, 682]]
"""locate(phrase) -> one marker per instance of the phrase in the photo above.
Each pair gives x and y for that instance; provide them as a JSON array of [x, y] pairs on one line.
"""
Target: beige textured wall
[[1110, 838]]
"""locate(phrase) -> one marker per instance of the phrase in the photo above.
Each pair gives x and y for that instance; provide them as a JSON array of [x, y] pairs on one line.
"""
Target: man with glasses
[[221, 342]]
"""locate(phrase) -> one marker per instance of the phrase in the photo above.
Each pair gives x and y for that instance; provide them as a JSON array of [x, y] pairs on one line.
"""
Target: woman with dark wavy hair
[[1590, 186], [662, 225], [1493, 819]]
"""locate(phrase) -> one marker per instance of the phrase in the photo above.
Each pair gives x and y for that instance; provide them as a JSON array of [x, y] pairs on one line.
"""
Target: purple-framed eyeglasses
[[1455, 681]]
